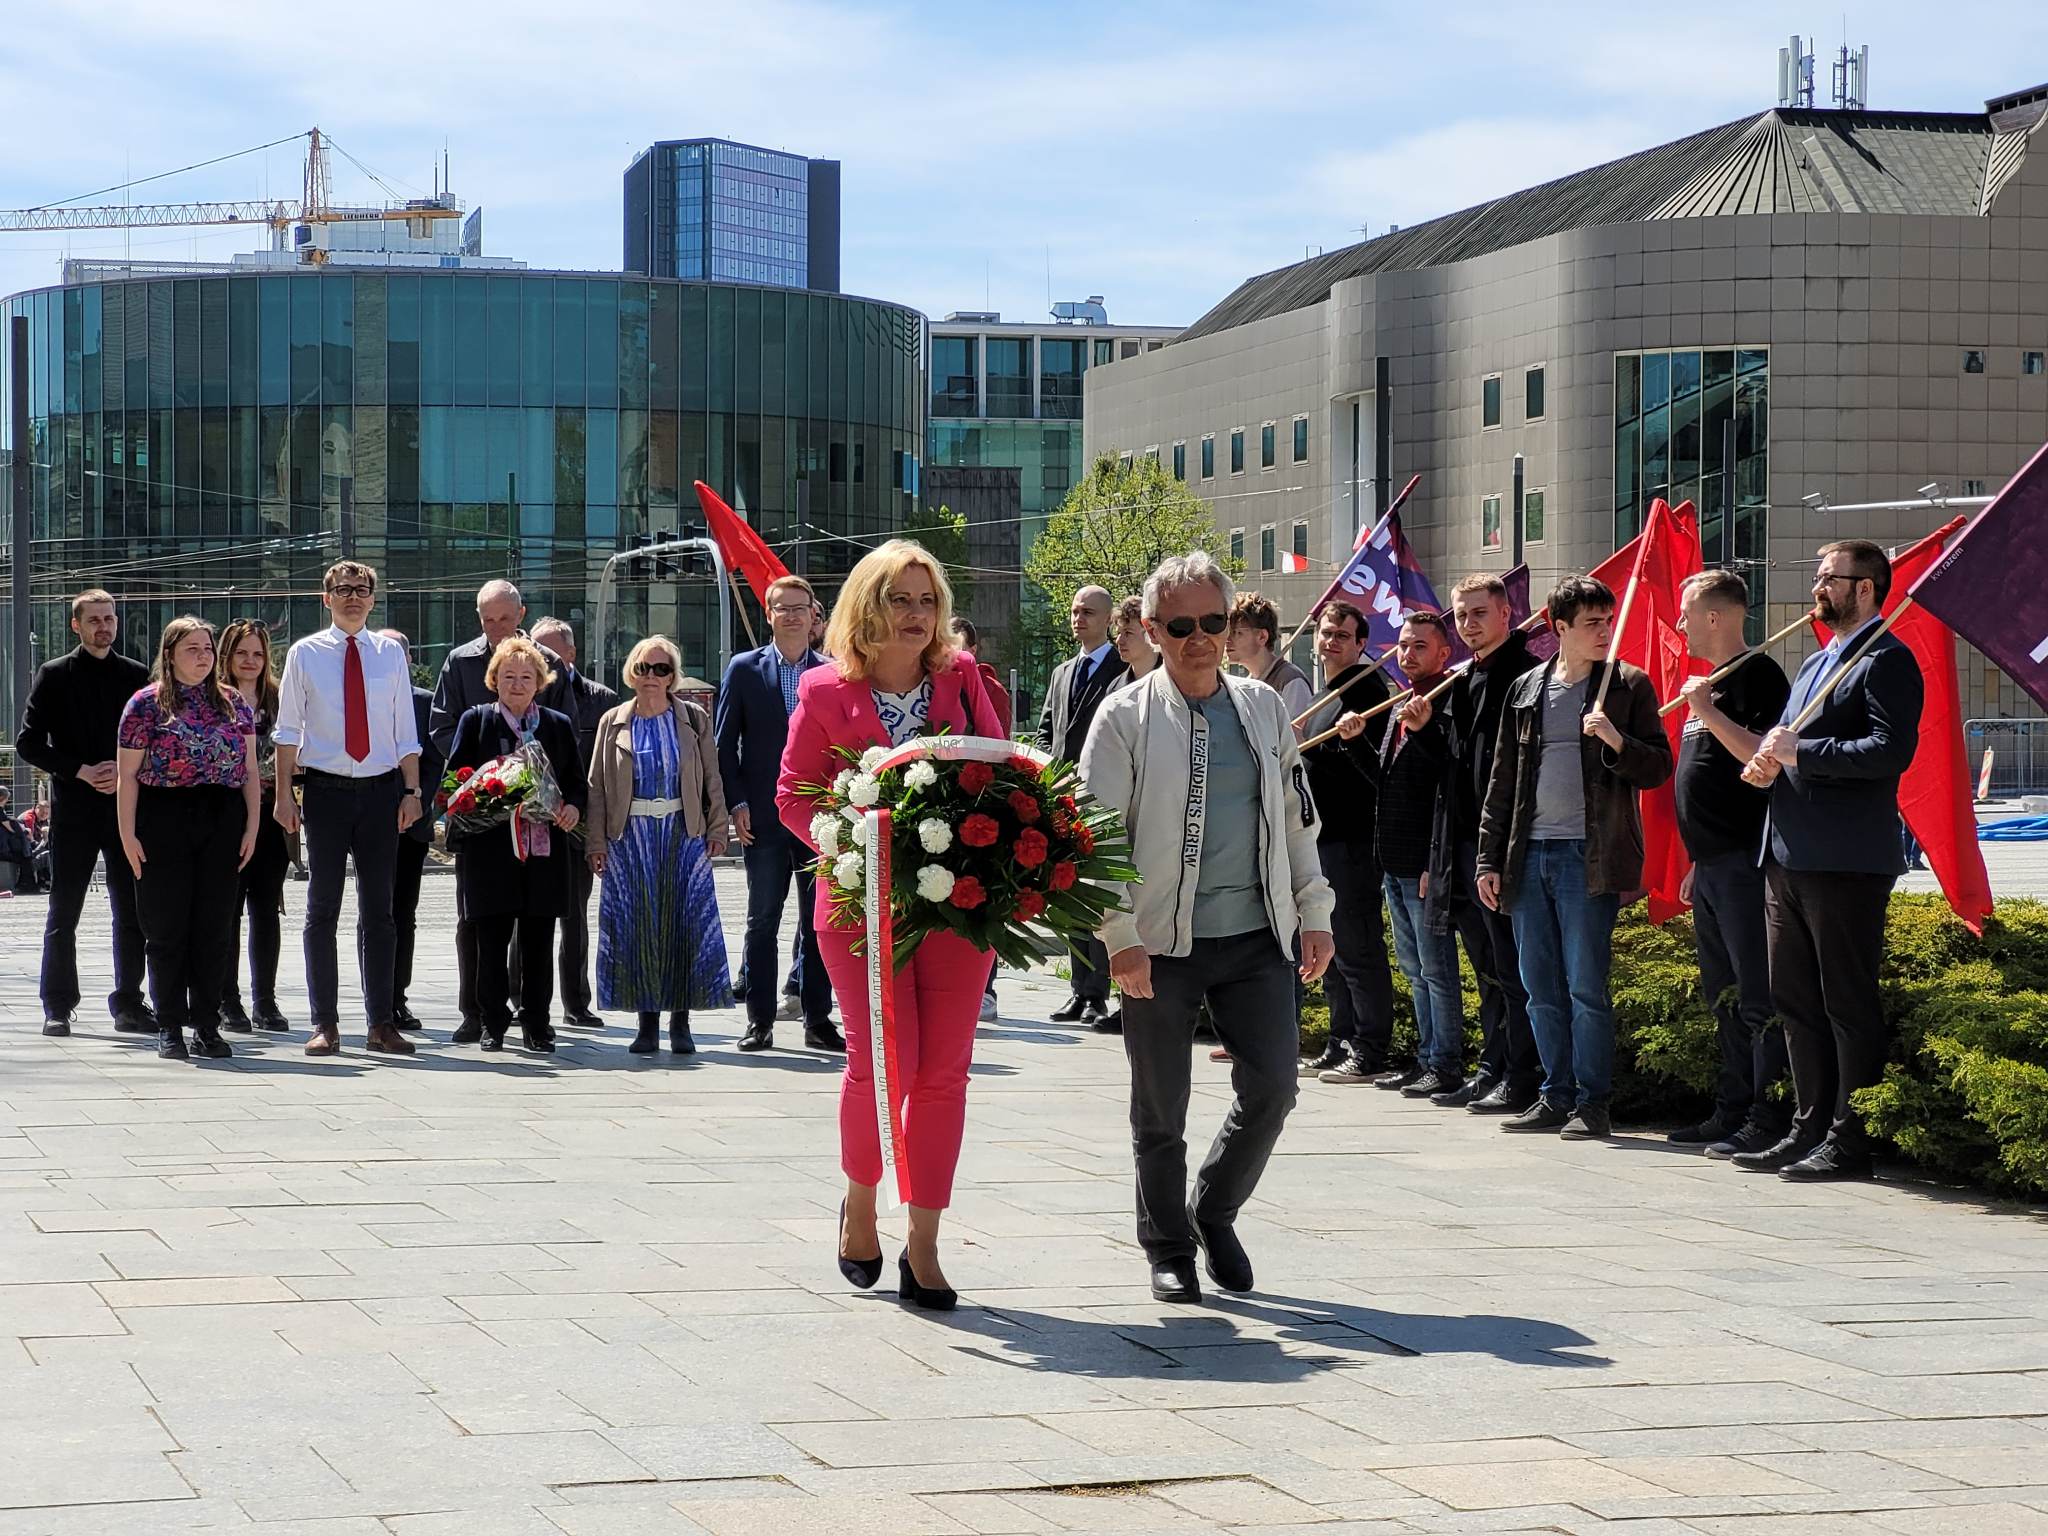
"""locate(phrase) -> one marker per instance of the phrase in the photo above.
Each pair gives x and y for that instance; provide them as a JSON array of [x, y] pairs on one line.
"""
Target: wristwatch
[[414, 792]]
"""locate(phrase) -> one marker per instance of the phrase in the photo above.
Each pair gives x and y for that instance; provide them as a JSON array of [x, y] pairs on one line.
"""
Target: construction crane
[[313, 207]]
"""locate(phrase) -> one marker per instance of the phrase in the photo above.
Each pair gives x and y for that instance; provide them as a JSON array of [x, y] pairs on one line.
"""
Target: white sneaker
[[989, 1014], [790, 1009]]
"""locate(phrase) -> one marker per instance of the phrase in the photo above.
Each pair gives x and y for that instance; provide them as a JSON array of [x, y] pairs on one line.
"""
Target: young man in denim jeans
[[1561, 842]]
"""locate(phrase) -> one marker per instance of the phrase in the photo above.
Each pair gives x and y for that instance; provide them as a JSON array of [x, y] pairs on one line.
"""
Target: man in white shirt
[[347, 738]]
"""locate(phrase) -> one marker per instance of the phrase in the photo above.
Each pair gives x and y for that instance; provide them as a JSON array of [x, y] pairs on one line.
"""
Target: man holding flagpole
[[1831, 857]]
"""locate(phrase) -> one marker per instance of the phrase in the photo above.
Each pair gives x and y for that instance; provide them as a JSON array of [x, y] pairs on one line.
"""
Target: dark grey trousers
[[1248, 982], [1735, 979]]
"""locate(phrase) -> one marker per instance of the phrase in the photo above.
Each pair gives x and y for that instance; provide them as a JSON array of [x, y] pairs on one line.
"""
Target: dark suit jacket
[[585, 702], [490, 880], [1063, 723], [460, 688], [753, 728], [1837, 808], [433, 762]]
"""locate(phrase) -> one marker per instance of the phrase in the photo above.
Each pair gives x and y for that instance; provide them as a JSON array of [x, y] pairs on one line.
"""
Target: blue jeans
[[1566, 940], [1430, 962]]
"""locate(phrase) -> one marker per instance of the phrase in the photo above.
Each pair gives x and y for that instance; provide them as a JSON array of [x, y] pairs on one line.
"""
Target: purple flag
[[1992, 585], [1384, 579], [1542, 639]]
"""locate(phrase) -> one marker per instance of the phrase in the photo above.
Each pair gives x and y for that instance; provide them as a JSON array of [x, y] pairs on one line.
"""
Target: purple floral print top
[[198, 746]]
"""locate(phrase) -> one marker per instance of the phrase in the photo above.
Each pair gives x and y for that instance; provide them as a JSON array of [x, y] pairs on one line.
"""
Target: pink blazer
[[834, 712]]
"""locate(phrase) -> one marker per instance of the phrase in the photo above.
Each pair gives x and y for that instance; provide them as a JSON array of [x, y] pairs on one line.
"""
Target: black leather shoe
[[208, 1043], [1828, 1162], [759, 1037], [1500, 1099], [268, 1017], [490, 1039], [57, 1025], [468, 1032], [402, 1017], [648, 1040], [1782, 1153], [1223, 1255], [1431, 1083], [1715, 1127], [860, 1273], [538, 1037], [933, 1298], [1394, 1082], [680, 1041], [170, 1045], [1111, 1023], [1332, 1055], [135, 1022], [1174, 1280], [1543, 1115], [235, 1019], [1754, 1136], [582, 1018], [1068, 1012], [1094, 1011], [824, 1036]]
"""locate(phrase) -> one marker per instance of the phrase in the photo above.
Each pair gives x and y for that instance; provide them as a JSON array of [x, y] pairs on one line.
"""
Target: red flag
[[1934, 794], [741, 548]]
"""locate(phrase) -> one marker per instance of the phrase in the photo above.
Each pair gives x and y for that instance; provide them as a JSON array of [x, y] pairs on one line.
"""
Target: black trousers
[[466, 970], [1826, 935], [773, 860], [261, 901], [1359, 983], [1508, 1045], [498, 938], [408, 870], [1090, 962], [344, 819], [191, 840], [576, 936], [1248, 983], [81, 829], [1735, 978]]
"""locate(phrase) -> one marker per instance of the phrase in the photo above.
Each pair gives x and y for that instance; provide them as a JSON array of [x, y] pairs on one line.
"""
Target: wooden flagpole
[[1628, 602], [1357, 672], [1720, 672]]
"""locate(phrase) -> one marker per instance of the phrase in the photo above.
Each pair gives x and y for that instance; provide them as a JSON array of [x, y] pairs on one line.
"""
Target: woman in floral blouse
[[188, 806]]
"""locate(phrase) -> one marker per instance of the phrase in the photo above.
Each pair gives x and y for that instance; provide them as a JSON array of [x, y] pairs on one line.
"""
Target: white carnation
[[861, 830], [841, 781], [825, 832], [864, 791], [848, 870], [920, 775], [934, 834], [934, 882], [872, 756]]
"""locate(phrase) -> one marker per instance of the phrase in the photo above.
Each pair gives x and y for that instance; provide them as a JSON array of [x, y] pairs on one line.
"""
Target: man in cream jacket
[[1204, 770]]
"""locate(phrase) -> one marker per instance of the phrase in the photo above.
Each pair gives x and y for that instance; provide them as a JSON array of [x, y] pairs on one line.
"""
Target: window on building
[[1532, 517], [1209, 457], [1973, 360], [1180, 461], [1103, 352], [1237, 450], [1489, 522], [1237, 545], [1973, 487], [1489, 401], [2033, 362], [1532, 393], [1301, 540], [1268, 446], [1127, 349], [1123, 461], [1154, 346], [953, 376], [1301, 439], [1007, 365], [860, 463], [1152, 452], [1268, 552], [1059, 378]]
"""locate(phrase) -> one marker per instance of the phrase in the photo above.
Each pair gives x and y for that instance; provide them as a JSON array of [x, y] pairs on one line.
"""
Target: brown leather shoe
[[323, 1042], [386, 1041]]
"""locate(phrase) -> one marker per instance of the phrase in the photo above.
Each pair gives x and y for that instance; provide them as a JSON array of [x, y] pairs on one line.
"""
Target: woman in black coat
[[505, 897]]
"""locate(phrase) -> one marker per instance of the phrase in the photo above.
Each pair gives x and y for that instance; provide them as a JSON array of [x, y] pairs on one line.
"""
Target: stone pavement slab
[[593, 1295]]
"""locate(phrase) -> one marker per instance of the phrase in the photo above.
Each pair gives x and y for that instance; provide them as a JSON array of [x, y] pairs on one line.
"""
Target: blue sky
[[1155, 154]]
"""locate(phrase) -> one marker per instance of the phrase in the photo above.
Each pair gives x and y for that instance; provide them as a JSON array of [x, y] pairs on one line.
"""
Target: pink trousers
[[938, 1002]]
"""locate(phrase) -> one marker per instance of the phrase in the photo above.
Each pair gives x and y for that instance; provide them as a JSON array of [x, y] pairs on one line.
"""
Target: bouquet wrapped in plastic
[[519, 789]]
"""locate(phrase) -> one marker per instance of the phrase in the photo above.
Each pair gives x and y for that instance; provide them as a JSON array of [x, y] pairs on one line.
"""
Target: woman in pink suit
[[895, 676]]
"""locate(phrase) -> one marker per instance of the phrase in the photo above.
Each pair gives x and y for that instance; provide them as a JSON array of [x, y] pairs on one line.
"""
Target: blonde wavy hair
[[518, 647], [861, 625], [653, 646]]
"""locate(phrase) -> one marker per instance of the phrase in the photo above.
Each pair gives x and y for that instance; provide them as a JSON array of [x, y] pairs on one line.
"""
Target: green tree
[[1113, 529]]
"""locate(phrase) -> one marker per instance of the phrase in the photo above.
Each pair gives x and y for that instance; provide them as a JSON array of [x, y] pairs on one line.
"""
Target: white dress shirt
[[309, 703]]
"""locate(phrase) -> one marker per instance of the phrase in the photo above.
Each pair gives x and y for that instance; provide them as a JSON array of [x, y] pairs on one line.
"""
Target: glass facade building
[[733, 213], [211, 444]]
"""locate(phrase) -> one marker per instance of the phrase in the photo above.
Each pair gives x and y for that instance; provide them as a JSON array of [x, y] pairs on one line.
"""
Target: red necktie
[[355, 705]]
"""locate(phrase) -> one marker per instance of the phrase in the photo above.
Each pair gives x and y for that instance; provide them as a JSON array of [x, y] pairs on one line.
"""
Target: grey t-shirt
[[1560, 774], [1229, 894]]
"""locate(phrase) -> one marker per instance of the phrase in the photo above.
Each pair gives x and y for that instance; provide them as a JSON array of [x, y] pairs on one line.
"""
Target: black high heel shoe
[[861, 1273], [941, 1298]]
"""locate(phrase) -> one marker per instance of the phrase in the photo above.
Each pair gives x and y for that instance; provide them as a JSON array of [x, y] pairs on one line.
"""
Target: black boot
[[233, 1016], [206, 1042], [679, 1041], [170, 1043], [648, 1040]]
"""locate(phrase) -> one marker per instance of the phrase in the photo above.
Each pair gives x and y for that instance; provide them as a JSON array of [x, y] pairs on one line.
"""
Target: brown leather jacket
[[1614, 827]]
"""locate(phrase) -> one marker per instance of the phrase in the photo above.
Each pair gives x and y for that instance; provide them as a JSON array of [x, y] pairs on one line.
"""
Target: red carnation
[[494, 786], [463, 803], [975, 777], [1030, 905], [1084, 840], [967, 893], [1063, 876], [463, 773], [1025, 805], [1031, 848], [1024, 765], [979, 831]]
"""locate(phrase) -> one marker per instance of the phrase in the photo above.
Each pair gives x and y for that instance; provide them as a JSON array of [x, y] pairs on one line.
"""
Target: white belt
[[654, 808]]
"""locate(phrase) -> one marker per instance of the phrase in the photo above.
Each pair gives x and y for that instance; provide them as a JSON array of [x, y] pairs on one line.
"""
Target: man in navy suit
[[754, 706], [1831, 855]]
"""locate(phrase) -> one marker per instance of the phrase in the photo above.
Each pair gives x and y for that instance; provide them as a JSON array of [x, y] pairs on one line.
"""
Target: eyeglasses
[[788, 610], [655, 669], [1212, 624], [1821, 581], [350, 591]]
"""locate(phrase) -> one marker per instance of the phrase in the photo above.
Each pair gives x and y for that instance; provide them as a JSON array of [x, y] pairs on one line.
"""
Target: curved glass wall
[[210, 443]]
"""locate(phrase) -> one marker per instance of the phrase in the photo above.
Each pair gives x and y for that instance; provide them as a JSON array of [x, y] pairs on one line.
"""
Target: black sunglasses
[[655, 669], [1212, 624]]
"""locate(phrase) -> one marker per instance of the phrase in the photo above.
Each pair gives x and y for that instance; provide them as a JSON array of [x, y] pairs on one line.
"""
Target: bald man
[[1078, 686]]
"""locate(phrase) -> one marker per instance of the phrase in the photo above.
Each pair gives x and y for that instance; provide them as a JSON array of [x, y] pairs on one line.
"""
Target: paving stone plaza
[[594, 1295]]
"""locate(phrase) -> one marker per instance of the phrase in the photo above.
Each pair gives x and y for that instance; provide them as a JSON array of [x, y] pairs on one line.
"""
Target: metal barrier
[[2019, 755]]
